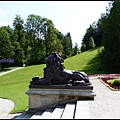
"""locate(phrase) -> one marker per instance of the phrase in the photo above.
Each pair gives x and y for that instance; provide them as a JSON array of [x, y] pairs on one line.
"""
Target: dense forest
[[29, 43]]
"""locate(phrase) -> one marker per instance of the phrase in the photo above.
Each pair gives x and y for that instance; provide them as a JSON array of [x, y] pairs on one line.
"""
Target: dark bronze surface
[[56, 74]]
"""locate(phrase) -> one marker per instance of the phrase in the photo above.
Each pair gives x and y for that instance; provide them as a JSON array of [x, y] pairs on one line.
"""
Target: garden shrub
[[116, 82]]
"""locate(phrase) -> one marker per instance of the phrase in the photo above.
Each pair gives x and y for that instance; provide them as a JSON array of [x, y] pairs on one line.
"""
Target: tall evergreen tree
[[20, 40], [91, 43], [67, 45], [111, 40], [70, 38], [83, 48], [76, 49]]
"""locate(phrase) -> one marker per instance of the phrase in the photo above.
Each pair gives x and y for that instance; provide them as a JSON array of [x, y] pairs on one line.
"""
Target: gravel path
[[5, 107], [4, 103], [3, 73], [106, 103]]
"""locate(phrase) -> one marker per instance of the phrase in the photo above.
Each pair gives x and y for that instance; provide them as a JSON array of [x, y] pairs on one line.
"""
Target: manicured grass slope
[[86, 61], [14, 85]]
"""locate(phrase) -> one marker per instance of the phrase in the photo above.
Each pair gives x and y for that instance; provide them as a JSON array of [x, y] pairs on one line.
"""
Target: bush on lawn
[[116, 82]]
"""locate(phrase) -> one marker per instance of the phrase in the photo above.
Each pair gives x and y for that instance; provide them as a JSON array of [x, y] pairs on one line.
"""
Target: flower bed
[[105, 79]]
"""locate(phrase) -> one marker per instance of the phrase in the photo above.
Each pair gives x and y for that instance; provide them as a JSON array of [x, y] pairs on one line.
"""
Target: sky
[[68, 16]]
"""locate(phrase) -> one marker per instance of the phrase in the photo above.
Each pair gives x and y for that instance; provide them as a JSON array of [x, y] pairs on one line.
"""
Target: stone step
[[82, 110], [21, 116], [47, 113], [37, 115], [57, 113], [71, 110], [68, 111]]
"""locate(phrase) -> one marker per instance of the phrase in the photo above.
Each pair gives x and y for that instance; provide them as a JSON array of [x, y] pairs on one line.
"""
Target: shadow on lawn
[[5, 69], [93, 67]]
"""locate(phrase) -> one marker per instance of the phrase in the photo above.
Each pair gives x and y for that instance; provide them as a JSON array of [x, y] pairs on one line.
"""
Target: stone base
[[41, 98]]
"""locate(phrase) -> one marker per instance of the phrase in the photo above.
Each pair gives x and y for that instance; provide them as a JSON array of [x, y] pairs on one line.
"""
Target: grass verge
[[14, 85], [86, 61]]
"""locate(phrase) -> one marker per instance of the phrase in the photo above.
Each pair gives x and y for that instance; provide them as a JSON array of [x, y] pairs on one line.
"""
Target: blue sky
[[68, 16]]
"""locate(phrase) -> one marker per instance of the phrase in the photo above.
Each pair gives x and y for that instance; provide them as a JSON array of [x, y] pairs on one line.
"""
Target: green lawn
[[7, 69], [14, 85], [86, 61]]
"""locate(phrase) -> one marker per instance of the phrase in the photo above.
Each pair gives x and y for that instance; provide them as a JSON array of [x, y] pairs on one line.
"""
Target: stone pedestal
[[41, 97]]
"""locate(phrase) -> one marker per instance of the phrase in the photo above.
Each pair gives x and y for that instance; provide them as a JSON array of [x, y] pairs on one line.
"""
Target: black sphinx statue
[[56, 74]]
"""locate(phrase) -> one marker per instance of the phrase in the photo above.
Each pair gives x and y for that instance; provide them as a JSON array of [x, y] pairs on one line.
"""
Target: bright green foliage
[[50, 40], [41, 39], [36, 39], [115, 82], [19, 29], [6, 48], [17, 49], [91, 43], [34, 44], [5, 43], [19, 40]]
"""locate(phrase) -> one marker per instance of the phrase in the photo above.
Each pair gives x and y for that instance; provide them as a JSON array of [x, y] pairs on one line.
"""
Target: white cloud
[[3, 23], [2, 12]]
